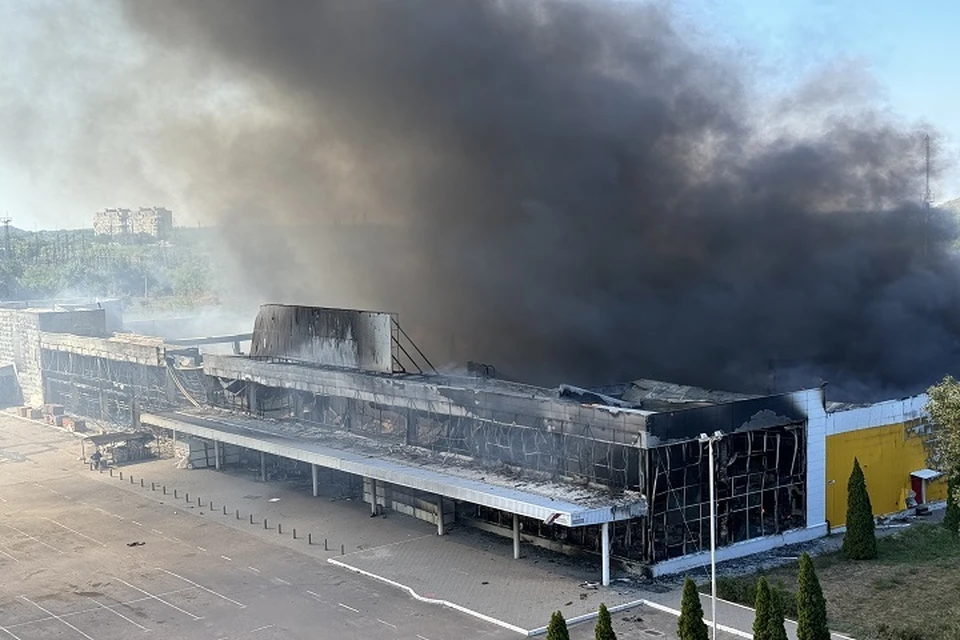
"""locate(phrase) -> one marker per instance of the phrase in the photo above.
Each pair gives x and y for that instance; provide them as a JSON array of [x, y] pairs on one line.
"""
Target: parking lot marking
[[8, 632], [227, 559], [348, 608], [202, 549], [24, 533], [315, 595], [254, 569], [392, 626], [422, 637], [281, 581], [157, 598], [117, 613], [56, 617], [200, 586], [82, 535], [158, 532], [2, 499], [266, 626], [136, 523], [8, 555], [92, 609]]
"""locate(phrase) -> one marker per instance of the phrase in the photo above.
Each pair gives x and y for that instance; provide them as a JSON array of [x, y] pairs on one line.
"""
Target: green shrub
[[860, 540], [811, 606], [743, 590], [691, 626], [557, 629]]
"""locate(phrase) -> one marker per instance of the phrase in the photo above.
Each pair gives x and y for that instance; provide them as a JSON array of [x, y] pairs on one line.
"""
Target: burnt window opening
[[760, 490]]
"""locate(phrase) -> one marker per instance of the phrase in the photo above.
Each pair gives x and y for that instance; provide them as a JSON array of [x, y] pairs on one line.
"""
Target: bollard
[[211, 505], [141, 482], [294, 534], [341, 549], [186, 496], [309, 538], [224, 509], [174, 493], [325, 545], [153, 486], [131, 479], [264, 523], [111, 473], [198, 501], [164, 489], [101, 471], [238, 514], [251, 518], [279, 528], [121, 475]]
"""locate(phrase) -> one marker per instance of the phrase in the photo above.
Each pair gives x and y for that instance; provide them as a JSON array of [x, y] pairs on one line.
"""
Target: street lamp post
[[709, 440]]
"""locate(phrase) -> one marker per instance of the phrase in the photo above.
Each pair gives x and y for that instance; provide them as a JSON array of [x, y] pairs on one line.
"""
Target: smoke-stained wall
[[343, 338]]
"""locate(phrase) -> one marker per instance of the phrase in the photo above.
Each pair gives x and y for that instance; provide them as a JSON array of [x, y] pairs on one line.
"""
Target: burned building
[[345, 399], [330, 385]]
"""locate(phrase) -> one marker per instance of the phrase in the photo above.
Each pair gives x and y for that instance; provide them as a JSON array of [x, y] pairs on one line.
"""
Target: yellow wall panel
[[887, 454]]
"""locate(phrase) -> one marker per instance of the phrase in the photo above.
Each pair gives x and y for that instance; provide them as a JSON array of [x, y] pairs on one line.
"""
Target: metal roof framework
[[523, 503]]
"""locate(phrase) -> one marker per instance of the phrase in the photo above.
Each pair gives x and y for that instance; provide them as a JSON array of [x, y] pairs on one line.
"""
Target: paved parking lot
[[69, 570]]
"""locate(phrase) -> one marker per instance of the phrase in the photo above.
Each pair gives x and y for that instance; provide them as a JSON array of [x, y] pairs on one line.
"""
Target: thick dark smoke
[[571, 191]]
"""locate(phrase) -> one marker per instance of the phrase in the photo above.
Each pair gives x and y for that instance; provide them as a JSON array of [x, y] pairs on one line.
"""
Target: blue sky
[[912, 49]]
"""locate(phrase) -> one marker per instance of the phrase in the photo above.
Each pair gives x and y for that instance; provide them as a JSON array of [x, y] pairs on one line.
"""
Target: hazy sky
[[68, 62]]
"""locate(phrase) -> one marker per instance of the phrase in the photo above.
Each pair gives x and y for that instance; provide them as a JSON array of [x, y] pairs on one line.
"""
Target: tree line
[[76, 263]]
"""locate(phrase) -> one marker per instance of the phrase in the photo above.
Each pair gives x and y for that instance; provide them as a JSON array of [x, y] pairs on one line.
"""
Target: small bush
[[886, 632], [743, 591]]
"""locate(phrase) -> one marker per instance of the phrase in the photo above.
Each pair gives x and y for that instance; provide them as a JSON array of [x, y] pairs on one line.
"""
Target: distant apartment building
[[151, 221]]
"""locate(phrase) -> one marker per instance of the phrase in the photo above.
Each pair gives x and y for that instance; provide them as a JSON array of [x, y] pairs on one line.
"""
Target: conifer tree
[[604, 628], [860, 540], [557, 629], [691, 626], [951, 518], [762, 608], [776, 629], [811, 607]]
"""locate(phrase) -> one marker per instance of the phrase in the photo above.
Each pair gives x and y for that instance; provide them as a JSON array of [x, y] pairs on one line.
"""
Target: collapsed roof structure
[[620, 472]]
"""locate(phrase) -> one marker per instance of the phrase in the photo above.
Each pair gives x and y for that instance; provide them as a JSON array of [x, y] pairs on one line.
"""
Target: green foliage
[[743, 590], [761, 619], [811, 606], [691, 626], [943, 407], [776, 628], [886, 632], [951, 518], [78, 264], [557, 629], [860, 540], [604, 628]]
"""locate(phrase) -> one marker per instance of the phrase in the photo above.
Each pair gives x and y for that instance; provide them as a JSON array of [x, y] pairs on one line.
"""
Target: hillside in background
[[76, 263]]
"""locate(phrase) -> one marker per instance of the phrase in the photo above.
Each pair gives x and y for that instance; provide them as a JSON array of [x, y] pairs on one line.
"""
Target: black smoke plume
[[571, 191]]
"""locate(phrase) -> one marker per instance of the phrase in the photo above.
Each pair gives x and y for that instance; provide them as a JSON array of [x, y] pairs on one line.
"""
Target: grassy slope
[[913, 585]]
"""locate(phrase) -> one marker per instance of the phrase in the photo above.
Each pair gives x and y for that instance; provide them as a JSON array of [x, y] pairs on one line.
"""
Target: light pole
[[709, 440]]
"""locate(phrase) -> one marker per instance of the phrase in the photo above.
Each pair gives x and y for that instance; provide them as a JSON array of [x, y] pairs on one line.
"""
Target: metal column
[[439, 515], [316, 485], [216, 454], [373, 497], [263, 467], [605, 550], [516, 537]]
